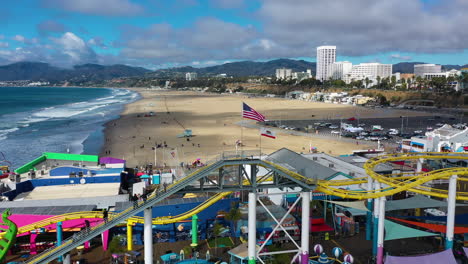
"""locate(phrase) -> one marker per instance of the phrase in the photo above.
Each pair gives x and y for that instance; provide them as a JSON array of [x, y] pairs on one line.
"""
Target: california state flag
[[267, 132]]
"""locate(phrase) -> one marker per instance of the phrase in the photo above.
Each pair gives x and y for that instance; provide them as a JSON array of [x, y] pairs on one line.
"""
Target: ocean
[[34, 120]]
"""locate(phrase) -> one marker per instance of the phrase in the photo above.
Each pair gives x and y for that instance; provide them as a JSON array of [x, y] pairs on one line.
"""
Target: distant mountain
[[408, 67], [241, 68], [36, 71]]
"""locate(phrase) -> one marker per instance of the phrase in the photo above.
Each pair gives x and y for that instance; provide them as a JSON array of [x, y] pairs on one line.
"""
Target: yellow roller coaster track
[[136, 219], [133, 220], [399, 183]]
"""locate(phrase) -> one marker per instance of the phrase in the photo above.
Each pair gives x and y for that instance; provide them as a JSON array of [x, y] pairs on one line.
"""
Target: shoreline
[[107, 125], [213, 119]]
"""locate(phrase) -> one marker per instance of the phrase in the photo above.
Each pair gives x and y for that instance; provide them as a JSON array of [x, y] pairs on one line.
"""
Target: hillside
[[36, 71], [241, 68]]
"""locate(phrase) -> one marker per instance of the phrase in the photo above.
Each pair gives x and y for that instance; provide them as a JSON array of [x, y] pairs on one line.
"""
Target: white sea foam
[[5, 132]]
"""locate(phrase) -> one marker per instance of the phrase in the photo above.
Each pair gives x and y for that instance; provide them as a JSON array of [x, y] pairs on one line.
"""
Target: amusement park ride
[[235, 173]]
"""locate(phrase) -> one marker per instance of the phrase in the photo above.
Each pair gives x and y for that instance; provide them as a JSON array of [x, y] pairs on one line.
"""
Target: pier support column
[[376, 221], [148, 236], [305, 227], [380, 239], [105, 240], [370, 183], [194, 231], [67, 259], [129, 236], [32, 244], [252, 226], [452, 192], [59, 237], [419, 165]]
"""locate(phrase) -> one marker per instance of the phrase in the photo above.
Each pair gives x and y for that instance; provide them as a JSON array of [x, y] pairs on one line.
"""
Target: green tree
[[367, 82], [393, 82], [378, 81], [234, 215]]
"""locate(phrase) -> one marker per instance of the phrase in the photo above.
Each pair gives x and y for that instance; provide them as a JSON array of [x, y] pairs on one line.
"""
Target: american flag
[[250, 113]]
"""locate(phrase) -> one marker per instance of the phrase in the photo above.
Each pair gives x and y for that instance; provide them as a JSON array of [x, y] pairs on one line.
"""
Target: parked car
[[439, 124], [361, 125], [333, 127], [418, 131], [335, 132], [393, 131]]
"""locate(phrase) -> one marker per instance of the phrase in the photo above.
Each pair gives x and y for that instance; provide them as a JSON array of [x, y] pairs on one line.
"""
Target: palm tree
[[378, 81], [367, 81], [234, 215]]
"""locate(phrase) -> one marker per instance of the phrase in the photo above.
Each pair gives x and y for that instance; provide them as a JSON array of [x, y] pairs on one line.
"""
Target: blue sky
[[160, 33]]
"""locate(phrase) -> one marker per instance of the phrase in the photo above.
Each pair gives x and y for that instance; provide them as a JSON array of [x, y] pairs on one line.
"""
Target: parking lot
[[393, 129]]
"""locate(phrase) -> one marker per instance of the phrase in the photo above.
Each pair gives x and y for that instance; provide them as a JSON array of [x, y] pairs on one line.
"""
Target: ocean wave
[[5, 132], [86, 113]]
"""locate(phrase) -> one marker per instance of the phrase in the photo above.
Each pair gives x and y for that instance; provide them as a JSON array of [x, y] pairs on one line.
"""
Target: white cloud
[[363, 27], [228, 4], [97, 7], [97, 41], [400, 57], [19, 38], [4, 44], [75, 48], [195, 63]]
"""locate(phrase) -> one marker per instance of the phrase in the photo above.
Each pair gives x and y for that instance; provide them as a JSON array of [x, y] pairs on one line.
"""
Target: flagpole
[[260, 144], [242, 130]]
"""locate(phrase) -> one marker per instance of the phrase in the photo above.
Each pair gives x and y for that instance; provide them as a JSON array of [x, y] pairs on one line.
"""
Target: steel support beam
[[252, 227], [148, 236], [451, 211]]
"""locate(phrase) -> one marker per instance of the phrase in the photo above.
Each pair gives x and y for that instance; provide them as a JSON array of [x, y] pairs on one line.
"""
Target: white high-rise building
[[338, 70], [284, 73], [190, 76], [421, 69], [369, 70], [326, 55]]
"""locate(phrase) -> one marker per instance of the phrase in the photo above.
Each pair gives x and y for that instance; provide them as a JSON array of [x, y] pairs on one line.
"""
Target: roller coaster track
[[396, 183], [10, 234], [135, 219]]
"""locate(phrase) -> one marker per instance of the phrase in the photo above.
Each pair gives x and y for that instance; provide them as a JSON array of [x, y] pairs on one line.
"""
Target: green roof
[[30, 165], [75, 157], [55, 156]]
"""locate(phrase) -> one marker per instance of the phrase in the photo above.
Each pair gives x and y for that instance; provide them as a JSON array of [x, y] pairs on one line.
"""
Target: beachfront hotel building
[[284, 73], [421, 69], [326, 55], [339, 69], [190, 76], [370, 71]]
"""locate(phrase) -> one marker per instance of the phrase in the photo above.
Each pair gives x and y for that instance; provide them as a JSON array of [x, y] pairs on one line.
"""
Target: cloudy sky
[[166, 33]]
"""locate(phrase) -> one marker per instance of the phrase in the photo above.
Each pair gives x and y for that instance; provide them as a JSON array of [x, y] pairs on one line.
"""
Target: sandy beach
[[214, 120]]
